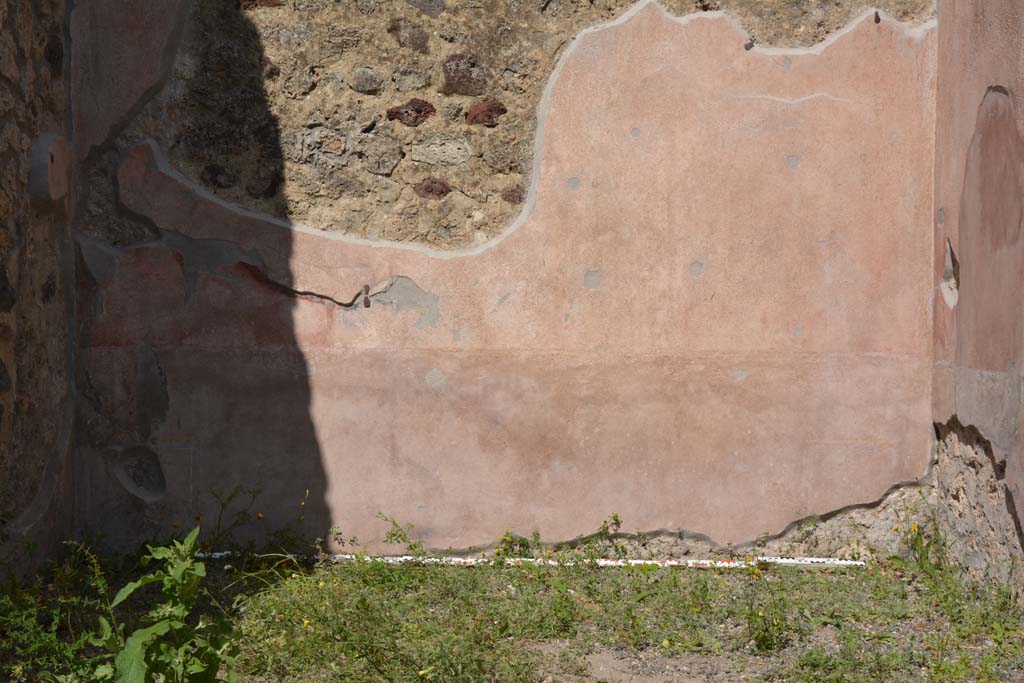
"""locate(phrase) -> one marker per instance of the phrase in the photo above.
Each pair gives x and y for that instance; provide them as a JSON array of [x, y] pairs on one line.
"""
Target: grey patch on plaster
[[503, 299], [436, 380], [740, 374], [208, 256], [950, 283], [787, 63], [635, 132], [792, 161], [942, 216], [139, 471], [592, 279], [403, 293], [798, 331], [696, 269], [574, 183]]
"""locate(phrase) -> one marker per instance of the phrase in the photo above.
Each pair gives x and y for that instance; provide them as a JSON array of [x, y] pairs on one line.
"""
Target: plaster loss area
[[394, 120], [701, 295], [33, 326]]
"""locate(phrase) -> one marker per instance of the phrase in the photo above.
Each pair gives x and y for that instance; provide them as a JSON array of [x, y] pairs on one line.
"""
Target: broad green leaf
[[160, 553], [104, 637], [130, 588], [190, 540], [130, 663]]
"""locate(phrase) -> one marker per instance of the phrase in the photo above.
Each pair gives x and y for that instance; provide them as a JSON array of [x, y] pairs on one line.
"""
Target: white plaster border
[[824, 562]]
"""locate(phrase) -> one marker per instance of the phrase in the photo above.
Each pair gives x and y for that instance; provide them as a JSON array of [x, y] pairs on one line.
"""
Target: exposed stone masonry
[[33, 325], [332, 114]]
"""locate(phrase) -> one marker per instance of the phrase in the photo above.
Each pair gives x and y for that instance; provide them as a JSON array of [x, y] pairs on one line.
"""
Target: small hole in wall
[[950, 284]]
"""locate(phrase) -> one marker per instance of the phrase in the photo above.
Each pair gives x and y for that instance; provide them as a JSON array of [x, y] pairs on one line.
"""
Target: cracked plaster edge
[[684, 535], [688, 535], [911, 30]]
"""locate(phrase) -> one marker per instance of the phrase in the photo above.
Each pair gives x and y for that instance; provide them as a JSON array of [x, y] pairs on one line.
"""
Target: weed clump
[[287, 617]]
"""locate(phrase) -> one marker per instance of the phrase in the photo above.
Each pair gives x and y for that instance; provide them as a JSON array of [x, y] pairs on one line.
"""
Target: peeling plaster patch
[[696, 269], [740, 374], [403, 293], [100, 259], [592, 279], [437, 381], [574, 183], [950, 284], [792, 161], [139, 472], [942, 216]]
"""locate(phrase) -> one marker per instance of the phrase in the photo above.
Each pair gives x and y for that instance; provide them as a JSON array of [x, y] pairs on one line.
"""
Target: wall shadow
[[990, 318], [194, 396]]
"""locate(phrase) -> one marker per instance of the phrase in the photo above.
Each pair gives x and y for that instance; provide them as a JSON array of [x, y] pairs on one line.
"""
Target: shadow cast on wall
[[187, 350], [442, 405], [990, 319]]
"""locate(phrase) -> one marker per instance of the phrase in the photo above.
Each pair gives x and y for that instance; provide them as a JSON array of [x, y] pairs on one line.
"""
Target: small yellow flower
[[749, 559], [302, 504], [760, 613], [307, 493], [321, 584], [665, 643], [896, 528], [913, 527], [305, 623], [259, 515], [424, 672], [757, 572]]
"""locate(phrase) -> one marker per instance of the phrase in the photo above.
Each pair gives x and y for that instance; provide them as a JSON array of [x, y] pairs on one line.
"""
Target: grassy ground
[[908, 619]]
